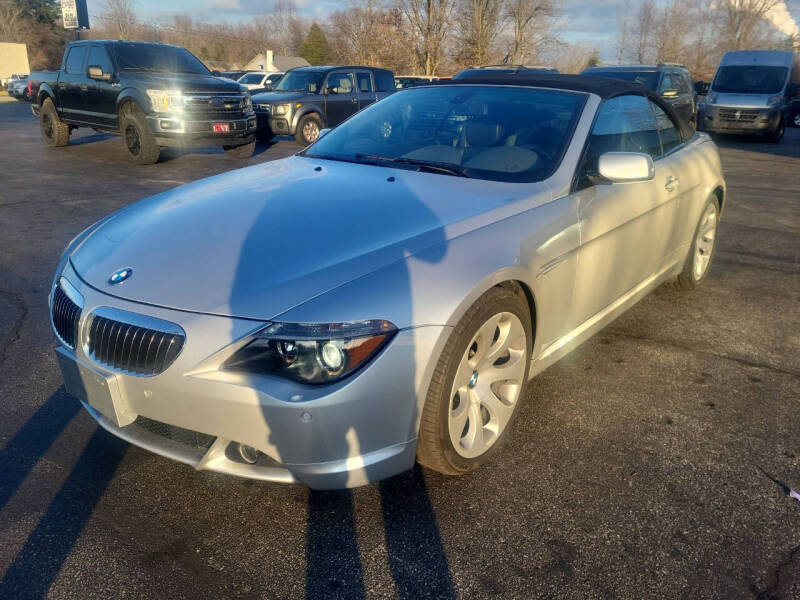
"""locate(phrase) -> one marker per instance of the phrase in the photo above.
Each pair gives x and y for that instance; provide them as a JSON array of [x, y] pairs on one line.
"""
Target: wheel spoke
[[473, 440]]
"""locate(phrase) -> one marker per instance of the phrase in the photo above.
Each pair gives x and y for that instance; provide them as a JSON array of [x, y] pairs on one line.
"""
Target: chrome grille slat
[[66, 316], [132, 348]]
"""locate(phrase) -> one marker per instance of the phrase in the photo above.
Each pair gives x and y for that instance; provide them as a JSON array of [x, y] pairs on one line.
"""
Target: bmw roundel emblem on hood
[[120, 275]]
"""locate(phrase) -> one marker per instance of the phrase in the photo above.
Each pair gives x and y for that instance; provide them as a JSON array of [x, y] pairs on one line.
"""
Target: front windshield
[[648, 79], [749, 79], [152, 57], [300, 81], [486, 132], [251, 78]]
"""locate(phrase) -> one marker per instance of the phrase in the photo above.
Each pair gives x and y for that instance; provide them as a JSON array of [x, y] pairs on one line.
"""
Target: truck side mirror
[[96, 72], [701, 88], [793, 89]]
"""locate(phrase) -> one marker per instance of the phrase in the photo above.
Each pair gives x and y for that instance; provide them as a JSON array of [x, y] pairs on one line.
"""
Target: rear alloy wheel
[[697, 263], [477, 385], [139, 141], [241, 151], [796, 119]]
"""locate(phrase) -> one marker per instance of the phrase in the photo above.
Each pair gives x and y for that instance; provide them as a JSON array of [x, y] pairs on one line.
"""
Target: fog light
[[248, 453], [332, 356]]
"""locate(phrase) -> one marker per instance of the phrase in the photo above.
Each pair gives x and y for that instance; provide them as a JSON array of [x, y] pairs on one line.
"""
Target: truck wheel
[[243, 151], [139, 141], [308, 129], [776, 135], [54, 131]]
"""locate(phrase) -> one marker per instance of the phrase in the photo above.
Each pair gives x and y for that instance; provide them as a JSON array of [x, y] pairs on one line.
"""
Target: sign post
[[74, 14]]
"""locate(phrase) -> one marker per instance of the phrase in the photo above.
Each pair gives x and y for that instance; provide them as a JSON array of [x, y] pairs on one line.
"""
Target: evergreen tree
[[316, 49]]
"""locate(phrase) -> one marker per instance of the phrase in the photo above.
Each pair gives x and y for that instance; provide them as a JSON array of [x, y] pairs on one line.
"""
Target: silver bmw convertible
[[384, 295]]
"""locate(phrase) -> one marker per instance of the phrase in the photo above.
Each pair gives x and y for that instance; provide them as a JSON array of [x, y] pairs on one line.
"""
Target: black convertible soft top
[[602, 86]]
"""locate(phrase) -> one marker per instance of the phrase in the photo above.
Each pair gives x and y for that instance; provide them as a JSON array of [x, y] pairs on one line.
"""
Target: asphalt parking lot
[[653, 462]]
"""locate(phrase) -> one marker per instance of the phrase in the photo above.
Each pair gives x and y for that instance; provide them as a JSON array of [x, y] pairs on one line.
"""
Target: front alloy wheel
[[704, 241], [478, 383], [487, 385]]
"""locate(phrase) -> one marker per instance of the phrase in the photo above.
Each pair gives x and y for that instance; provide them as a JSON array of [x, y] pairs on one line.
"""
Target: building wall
[[13, 59]]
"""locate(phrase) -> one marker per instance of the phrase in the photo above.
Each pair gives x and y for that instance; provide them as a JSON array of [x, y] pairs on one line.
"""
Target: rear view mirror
[[96, 72], [626, 167]]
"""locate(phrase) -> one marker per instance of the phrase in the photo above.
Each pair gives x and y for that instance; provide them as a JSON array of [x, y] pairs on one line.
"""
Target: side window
[[622, 124], [341, 82], [667, 83], [98, 57], [667, 130], [684, 85], [75, 60], [384, 81], [364, 81]]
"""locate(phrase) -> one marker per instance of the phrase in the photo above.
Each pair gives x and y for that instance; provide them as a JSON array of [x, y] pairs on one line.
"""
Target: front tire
[[478, 384], [308, 129], [776, 135], [701, 252], [139, 141], [241, 152], [54, 131]]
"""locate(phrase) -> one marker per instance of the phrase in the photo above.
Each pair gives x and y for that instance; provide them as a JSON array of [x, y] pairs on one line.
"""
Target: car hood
[[275, 97], [725, 99], [186, 82], [258, 241]]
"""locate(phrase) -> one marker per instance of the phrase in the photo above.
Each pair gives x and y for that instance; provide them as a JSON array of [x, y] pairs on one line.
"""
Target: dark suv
[[309, 99], [672, 82]]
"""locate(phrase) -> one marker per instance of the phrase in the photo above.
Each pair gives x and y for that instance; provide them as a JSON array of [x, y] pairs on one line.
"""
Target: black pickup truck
[[153, 95]]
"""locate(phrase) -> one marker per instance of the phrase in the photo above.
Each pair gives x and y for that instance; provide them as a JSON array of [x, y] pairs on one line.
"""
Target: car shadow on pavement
[[39, 561], [89, 139]]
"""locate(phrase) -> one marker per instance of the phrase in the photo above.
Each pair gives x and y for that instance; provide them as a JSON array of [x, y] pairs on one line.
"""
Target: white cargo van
[[751, 93]]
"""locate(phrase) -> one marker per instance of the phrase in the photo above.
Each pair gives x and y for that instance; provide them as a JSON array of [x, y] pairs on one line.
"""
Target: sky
[[588, 22]]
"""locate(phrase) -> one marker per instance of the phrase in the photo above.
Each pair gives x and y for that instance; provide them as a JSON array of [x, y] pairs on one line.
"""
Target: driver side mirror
[[701, 87], [323, 132], [96, 72], [792, 89], [330, 90], [626, 167]]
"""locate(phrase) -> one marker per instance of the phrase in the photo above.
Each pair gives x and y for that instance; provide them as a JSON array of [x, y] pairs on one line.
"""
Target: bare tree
[[428, 21], [742, 20], [11, 14], [121, 16], [530, 23], [478, 23]]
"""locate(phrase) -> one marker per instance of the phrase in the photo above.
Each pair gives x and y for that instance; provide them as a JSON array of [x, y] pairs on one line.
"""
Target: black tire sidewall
[[148, 149], [49, 111], [508, 301]]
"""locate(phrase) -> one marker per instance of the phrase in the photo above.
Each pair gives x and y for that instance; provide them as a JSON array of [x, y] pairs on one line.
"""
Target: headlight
[[282, 109], [711, 98], [167, 100], [312, 353], [774, 100], [247, 102]]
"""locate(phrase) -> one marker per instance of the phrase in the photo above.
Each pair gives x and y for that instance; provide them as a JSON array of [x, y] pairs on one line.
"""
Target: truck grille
[[66, 315], [738, 116], [131, 348], [215, 106]]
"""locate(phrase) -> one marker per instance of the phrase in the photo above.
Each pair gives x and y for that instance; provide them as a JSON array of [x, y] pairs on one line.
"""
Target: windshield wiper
[[429, 165]]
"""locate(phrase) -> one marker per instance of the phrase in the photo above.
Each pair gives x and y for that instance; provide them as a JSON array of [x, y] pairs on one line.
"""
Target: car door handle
[[354, 100], [671, 183]]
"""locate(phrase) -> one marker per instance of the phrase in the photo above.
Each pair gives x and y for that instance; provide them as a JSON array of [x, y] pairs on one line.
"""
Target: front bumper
[[172, 130], [360, 430], [735, 120], [277, 125]]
